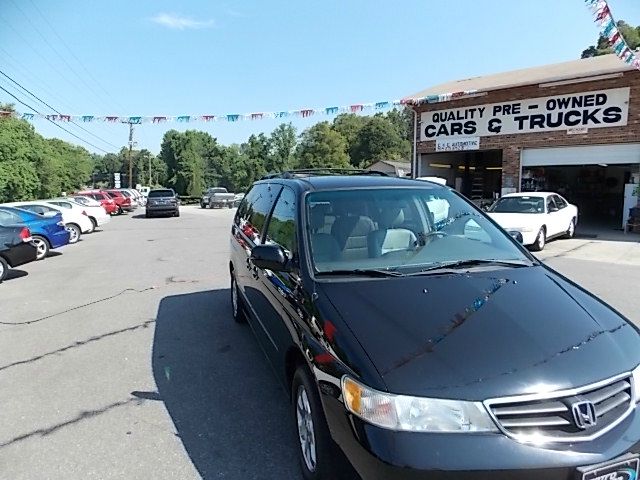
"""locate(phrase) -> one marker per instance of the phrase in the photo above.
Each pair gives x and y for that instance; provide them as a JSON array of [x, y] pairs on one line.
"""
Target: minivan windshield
[[401, 229], [521, 204], [161, 193]]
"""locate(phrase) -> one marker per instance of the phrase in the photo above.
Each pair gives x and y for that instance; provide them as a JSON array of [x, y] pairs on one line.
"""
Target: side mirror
[[517, 235], [553, 209], [270, 257]]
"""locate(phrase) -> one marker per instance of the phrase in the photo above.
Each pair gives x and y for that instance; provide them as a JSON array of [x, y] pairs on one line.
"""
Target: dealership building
[[572, 128]]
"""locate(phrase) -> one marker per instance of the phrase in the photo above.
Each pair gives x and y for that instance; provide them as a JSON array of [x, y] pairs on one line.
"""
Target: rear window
[[125, 193], [161, 193]]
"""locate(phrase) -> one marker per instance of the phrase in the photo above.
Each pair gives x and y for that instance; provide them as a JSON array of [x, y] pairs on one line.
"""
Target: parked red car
[[104, 198], [123, 202]]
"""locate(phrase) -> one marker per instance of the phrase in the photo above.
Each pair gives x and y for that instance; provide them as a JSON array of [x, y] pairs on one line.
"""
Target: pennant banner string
[[256, 115], [608, 29]]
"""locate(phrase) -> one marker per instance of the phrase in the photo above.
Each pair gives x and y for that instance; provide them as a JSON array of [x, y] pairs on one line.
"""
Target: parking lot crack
[[78, 307]]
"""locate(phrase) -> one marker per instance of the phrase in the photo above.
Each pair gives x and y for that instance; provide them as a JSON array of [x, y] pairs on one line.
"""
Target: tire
[[236, 302], [4, 269], [203, 205], [315, 445], [571, 231], [94, 222], [42, 245], [541, 240], [177, 213], [229, 205], [119, 211], [92, 229], [74, 232], [147, 215]]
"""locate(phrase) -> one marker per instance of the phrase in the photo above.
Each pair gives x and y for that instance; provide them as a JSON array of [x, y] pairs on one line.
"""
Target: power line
[[88, 72], [52, 108], [24, 72], [48, 119], [55, 50]]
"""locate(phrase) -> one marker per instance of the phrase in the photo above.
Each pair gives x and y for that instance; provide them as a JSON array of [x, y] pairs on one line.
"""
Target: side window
[[253, 220], [560, 202], [8, 218], [241, 213], [551, 205], [282, 226]]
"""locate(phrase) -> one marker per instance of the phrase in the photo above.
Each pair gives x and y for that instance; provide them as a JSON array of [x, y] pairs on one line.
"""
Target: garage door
[[585, 155]]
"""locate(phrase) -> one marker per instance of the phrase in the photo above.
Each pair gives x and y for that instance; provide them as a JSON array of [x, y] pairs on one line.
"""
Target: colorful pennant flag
[[608, 29]]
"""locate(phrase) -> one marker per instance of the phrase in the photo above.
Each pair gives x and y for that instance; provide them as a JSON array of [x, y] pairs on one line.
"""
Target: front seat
[[390, 238], [324, 247], [351, 230]]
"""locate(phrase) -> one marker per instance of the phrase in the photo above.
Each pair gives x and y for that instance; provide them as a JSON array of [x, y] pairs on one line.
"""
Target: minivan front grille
[[568, 416]]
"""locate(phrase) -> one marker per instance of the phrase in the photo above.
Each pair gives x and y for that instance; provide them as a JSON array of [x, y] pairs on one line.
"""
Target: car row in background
[[219, 197], [29, 230]]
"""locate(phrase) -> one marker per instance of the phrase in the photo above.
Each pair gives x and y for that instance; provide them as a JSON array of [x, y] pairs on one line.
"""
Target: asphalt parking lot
[[119, 357]]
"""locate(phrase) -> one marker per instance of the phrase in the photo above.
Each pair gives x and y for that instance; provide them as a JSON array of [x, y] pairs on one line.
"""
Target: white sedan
[[538, 216], [96, 212]]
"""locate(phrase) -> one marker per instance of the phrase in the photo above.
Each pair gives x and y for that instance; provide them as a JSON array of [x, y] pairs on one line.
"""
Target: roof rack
[[309, 172]]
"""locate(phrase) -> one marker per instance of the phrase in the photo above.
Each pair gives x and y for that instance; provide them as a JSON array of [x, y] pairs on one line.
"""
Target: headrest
[[317, 215], [391, 216]]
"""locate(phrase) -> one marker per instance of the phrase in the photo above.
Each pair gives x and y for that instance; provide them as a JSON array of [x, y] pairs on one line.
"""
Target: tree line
[[32, 166], [602, 47]]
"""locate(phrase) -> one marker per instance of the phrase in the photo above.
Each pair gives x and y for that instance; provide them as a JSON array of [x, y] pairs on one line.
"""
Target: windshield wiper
[[365, 272], [473, 263]]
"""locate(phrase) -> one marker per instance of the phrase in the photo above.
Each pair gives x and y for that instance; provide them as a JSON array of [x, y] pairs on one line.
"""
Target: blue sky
[[160, 57]]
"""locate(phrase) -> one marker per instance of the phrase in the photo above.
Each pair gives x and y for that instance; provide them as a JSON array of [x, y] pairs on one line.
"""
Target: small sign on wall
[[577, 131], [457, 144]]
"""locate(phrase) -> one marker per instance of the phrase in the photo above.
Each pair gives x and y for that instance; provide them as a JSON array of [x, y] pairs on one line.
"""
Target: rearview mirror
[[517, 236], [270, 257]]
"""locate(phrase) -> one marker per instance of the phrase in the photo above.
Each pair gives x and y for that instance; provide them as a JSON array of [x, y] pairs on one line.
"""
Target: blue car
[[47, 231]]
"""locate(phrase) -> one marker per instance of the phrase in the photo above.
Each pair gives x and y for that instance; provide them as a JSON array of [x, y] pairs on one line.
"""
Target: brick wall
[[512, 145]]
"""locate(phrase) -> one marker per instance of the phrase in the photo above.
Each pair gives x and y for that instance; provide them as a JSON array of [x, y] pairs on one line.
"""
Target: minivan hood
[[486, 334]]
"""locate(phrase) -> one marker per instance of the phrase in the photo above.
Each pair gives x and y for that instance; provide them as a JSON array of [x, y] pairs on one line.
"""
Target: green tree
[[349, 125], [602, 47], [321, 146], [379, 139], [186, 155], [282, 143], [18, 180]]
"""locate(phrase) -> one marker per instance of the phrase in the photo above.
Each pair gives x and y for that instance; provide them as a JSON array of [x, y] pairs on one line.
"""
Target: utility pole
[[130, 148], [149, 184]]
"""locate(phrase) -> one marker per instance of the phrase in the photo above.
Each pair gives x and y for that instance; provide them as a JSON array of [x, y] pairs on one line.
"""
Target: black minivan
[[424, 342]]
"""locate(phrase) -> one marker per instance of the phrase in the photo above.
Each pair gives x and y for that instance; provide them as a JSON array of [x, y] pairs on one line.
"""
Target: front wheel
[[4, 269], [314, 439], [203, 205], [42, 246], [571, 231], [540, 242], [74, 232]]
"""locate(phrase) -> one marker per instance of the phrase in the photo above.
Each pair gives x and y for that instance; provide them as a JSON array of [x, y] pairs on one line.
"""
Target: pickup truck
[[217, 197]]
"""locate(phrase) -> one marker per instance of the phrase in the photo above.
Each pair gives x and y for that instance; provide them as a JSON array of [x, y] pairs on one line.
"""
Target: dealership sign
[[602, 108], [457, 144]]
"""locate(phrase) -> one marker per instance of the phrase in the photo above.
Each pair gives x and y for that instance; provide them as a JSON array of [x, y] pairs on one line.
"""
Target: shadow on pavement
[[227, 406], [14, 274]]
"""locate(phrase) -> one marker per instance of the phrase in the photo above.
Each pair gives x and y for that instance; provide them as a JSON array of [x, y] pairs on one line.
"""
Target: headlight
[[636, 383], [404, 413]]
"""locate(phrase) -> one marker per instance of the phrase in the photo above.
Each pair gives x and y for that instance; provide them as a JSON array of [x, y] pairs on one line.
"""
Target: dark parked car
[[16, 248], [47, 232], [162, 201], [429, 346]]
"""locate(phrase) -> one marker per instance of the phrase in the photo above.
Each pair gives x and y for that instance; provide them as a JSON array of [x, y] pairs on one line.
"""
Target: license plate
[[623, 468]]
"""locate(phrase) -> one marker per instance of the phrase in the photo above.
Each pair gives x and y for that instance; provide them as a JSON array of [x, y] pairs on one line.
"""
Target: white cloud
[[180, 22]]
